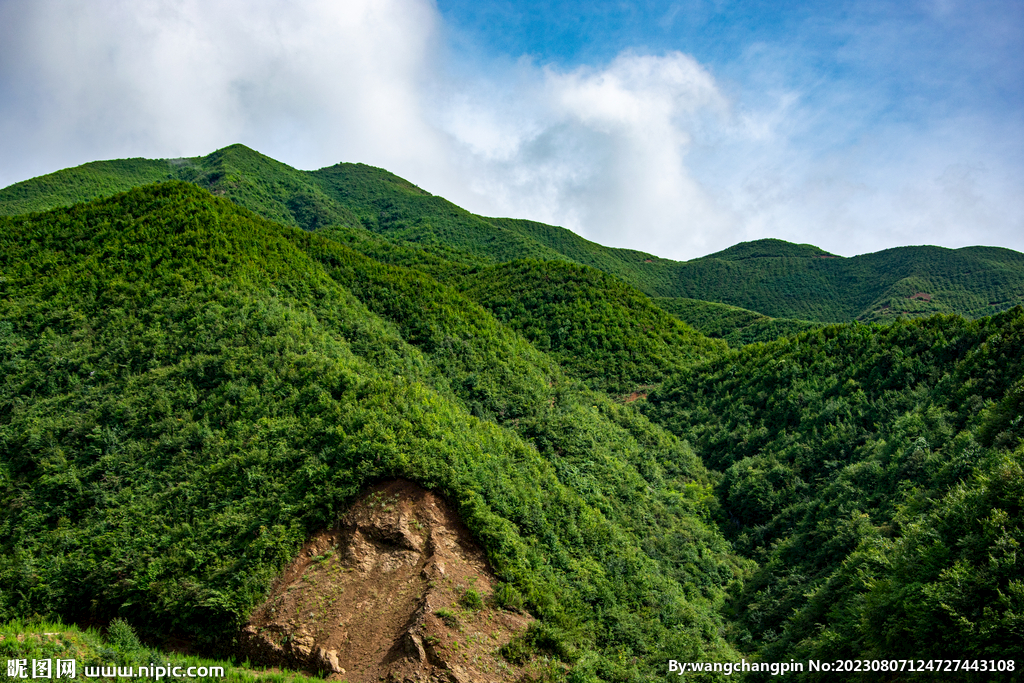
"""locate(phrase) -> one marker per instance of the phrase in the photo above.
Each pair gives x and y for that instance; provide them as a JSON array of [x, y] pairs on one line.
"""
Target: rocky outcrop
[[397, 593]]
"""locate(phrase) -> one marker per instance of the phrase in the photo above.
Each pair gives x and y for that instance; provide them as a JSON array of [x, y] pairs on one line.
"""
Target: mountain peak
[[770, 248]]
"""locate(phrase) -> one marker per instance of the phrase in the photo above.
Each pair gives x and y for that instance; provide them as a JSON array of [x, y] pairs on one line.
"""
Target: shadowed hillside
[[876, 475], [595, 325]]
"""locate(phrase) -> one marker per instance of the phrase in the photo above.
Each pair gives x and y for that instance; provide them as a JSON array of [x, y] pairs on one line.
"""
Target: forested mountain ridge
[[766, 276], [876, 474], [771, 277], [595, 325], [848, 491], [190, 391], [735, 325]]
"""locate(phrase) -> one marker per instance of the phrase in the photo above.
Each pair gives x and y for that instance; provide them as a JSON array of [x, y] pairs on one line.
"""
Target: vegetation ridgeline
[[772, 277], [736, 326]]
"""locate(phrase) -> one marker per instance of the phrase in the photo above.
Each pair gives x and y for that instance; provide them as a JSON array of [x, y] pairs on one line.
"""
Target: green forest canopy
[[190, 390], [849, 490]]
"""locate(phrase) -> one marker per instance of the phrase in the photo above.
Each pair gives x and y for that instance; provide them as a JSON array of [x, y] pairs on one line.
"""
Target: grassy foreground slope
[[190, 390], [772, 277], [95, 655], [876, 474]]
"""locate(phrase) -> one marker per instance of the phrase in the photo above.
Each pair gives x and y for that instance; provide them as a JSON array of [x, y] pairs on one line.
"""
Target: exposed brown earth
[[639, 393], [394, 594]]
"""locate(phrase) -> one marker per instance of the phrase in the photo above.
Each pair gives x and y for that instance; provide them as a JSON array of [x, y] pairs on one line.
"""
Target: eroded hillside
[[398, 591]]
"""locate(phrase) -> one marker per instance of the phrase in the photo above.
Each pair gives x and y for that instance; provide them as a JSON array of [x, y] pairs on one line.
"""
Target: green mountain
[[876, 475], [595, 325], [788, 281], [192, 387], [190, 391], [769, 248], [771, 277]]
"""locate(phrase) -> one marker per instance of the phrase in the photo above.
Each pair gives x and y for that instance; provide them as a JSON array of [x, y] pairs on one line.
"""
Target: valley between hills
[[328, 423]]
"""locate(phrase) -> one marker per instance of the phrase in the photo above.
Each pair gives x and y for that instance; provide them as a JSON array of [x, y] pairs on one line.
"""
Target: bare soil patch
[[398, 593]]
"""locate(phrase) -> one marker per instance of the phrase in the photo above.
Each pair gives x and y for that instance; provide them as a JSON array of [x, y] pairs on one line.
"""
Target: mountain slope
[[190, 391], [83, 183], [771, 277], [905, 281], [876, 474], [595, 325], [735, 325]]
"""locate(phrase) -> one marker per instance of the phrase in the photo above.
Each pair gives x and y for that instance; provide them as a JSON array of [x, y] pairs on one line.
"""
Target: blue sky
[[678, 128]]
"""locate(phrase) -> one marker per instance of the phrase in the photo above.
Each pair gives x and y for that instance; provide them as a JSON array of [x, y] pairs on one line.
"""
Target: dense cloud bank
[[650, 150]]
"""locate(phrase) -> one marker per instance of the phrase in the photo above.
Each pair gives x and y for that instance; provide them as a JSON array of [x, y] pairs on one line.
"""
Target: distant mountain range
[[771, 277]]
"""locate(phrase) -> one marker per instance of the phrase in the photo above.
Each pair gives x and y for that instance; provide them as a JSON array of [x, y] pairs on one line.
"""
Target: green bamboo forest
[[769, 454]]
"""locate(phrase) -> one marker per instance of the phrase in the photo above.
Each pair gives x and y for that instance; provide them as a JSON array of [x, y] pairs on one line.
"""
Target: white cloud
[[651, 152], [603, 152], [303, 80], [600, 150], [946, 183]]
